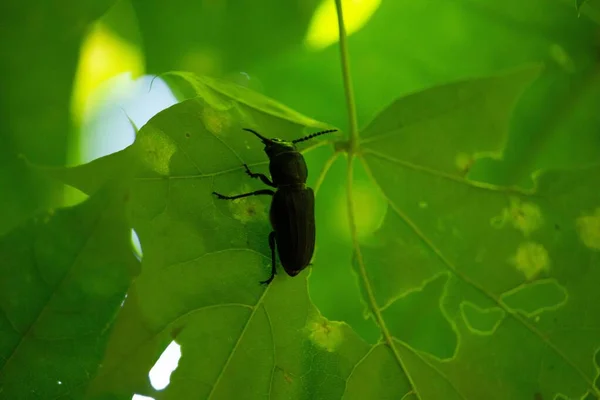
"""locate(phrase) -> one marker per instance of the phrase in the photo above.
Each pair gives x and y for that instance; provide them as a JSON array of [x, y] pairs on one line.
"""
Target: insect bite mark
[[588, 228], [531, 259], [325, 334]]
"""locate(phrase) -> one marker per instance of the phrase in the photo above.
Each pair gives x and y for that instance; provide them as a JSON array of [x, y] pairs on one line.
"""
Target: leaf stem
[[350, 103]]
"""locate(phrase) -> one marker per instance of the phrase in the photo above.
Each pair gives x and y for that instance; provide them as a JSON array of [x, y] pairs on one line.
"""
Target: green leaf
[[203, 260], [63, 277], [38, 53], [223, 95], [448, 127], [233, 334], [507, 271]]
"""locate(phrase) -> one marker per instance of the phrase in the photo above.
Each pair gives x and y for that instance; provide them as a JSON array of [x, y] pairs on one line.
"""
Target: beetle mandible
[[292, 211]]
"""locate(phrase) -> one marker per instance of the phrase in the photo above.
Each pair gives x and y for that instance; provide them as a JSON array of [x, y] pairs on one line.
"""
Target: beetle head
[[276, 146]]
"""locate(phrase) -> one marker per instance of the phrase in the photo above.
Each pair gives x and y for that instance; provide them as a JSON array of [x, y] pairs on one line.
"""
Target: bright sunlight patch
[[323, 30], [103, 56]]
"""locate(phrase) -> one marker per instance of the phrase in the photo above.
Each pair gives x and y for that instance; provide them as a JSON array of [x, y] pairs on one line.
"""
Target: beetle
[[292, 212]]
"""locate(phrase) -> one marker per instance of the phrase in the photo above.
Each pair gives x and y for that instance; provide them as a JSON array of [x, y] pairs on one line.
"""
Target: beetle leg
[[273, 260], [239, 196], [262, 177]]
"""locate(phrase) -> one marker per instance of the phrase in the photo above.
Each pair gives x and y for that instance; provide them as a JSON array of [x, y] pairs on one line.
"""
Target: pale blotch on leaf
[[325, 334], [561, 57], [588, 228], [531, 259], [247, 209], [463, 162], [524, 216], [47, 217], [216, 121], [369, 210], [156, 150]]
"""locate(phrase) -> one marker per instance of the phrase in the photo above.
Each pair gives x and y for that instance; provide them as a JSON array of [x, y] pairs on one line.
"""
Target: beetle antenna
[[264, 139], [313, 135]]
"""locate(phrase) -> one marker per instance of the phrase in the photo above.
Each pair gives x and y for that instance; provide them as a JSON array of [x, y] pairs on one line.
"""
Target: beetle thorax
[[288, 168]]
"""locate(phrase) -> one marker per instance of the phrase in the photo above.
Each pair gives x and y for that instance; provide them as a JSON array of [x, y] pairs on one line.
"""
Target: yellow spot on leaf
[[531, 259], [588, 228], [216, 121], [524, 216], [155, 150], [247, 209], [463, 162], [561, 57], [326, 334]]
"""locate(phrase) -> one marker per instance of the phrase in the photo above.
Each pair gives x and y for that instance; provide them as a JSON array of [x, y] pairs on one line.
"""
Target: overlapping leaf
[[63, 277]]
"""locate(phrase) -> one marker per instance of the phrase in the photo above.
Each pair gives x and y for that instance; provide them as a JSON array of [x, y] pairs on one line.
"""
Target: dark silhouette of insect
[[292, 212]]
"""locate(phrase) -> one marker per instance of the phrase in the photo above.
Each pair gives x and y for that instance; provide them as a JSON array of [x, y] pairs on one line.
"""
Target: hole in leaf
[[137, 245], [120, 106], [140, 397], [160, 374], [124, 298]]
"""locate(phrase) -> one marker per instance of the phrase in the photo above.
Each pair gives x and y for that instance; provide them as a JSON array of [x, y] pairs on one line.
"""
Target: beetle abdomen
[[293, 220]]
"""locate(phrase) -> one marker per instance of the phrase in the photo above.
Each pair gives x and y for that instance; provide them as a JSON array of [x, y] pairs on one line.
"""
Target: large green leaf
[[511, 272], [63, 278], [459, 123], [203, 260]]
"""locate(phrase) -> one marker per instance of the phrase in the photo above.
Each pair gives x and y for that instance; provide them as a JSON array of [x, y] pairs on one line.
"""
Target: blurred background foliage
[[73, 71]]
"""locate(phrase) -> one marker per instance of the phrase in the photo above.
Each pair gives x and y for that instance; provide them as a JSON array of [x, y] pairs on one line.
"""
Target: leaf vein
[[444, 175], [237, 343]]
